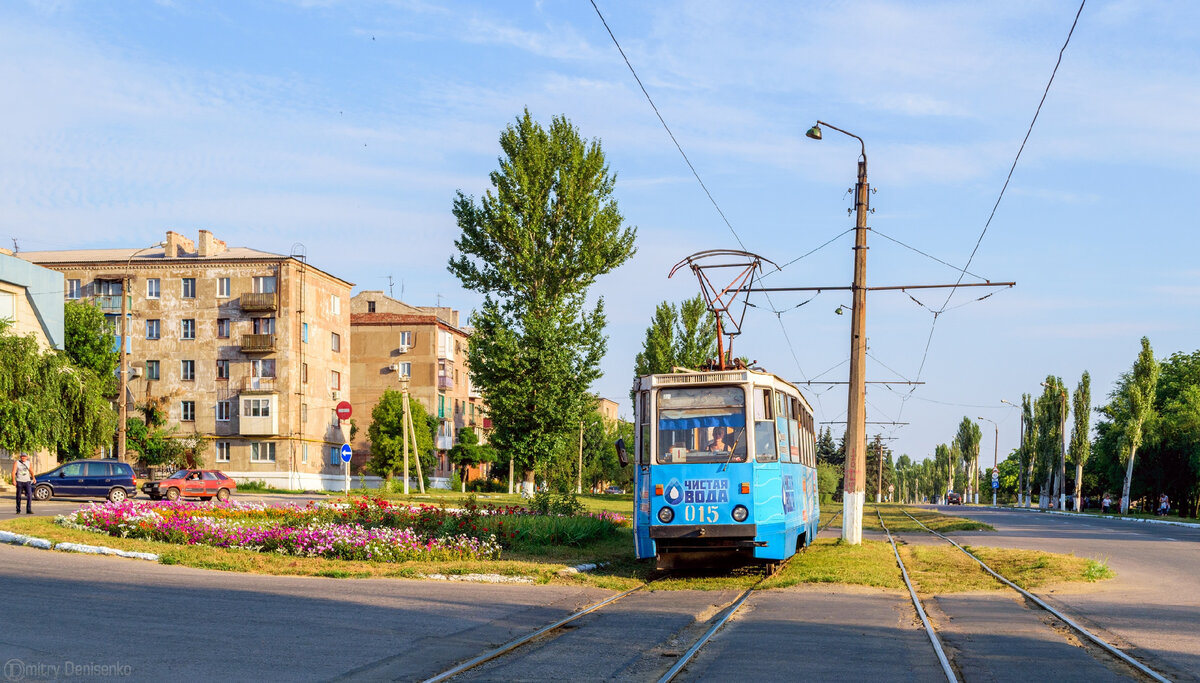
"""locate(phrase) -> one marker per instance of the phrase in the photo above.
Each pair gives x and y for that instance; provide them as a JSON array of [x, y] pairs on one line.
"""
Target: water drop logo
[[674, 492]]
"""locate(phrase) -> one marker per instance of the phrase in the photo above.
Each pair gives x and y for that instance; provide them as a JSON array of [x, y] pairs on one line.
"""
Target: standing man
[[24, 480]]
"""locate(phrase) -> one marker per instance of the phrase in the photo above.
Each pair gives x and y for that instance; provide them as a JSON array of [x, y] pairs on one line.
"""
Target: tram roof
[[691, 378]]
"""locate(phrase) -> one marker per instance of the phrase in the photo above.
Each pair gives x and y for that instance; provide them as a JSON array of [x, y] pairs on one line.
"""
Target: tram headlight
[[740, 513], [665, 515]]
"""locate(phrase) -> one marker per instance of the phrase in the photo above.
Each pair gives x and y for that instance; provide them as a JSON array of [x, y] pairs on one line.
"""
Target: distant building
[[608, 409], [29, 299], [248, 348], [390, 338]]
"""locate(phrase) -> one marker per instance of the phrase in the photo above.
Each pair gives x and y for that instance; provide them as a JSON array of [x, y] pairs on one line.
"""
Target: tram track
[[514, 646], [1102, 645]]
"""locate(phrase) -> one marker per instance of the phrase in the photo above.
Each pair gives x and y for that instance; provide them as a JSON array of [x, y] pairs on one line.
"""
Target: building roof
[[401, 319], [151, 255]]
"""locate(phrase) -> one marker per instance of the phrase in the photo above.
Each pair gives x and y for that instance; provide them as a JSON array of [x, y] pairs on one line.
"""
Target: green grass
[[897, 521], [1031, 569], [261, 487], [832, 561]]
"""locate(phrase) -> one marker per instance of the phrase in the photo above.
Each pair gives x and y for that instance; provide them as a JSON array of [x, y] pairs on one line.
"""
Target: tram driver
[[717, 443]]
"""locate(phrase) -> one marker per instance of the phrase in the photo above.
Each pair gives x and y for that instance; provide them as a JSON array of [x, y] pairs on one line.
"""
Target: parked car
[[614, 490], [203, 484], [98, 478], [953, 498]]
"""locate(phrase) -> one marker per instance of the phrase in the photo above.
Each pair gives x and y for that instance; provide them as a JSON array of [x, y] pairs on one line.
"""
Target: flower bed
[[364, 529]]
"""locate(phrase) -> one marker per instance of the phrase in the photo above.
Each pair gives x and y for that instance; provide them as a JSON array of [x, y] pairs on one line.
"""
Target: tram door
[[643, 546]]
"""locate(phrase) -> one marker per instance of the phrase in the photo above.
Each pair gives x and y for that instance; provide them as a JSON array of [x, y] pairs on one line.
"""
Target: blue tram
[[726, 468]]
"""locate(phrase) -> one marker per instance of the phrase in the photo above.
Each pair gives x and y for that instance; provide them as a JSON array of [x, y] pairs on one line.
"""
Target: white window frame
[[156, 324], [406, 338], [183, 329], [228, 328], [153, 288], [304, 453], [405, 369], [184, 366], [74, 289], [157, 369], [335, 304], [335, 342], [222, 451], [187, 411], [183, 287], [335, 380], [257, 365], [223, 411], [222, 288], [256, 407], [257, 449], [264, 284]]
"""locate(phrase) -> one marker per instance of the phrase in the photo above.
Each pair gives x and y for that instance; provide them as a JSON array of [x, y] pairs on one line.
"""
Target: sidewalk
[[1086, 515]]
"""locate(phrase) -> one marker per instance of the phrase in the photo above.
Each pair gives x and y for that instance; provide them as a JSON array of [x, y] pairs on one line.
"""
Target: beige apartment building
[[427, 344], [248, 348]]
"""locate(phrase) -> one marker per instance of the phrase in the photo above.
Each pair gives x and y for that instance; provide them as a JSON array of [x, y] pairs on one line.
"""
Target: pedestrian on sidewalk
[[24, 480], [1164, 505], [1106, 503]]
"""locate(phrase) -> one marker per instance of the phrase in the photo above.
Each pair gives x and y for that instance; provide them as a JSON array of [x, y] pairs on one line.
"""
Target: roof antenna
[[391, 290], [16, 247]]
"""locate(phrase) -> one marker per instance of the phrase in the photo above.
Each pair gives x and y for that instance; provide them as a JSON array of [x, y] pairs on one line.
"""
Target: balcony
[[258, 385], [258, 302], [258, 343], [112, 303], [445, 382]]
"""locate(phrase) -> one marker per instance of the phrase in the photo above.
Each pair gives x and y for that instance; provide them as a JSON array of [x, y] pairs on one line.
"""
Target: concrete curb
[[1081, 515], [45, 544], [585, 567]]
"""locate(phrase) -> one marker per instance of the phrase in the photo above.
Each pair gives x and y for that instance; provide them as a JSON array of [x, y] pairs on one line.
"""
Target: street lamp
[[854, 490], [995, 455], [123, 379], [1061, 484]]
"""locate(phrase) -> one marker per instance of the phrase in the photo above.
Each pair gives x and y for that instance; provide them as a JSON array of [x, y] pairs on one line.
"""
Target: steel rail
[[729, 612], [514, 644], [912, 593], [1111, 649]]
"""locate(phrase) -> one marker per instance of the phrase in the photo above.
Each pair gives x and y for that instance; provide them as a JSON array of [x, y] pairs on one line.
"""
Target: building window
[[335, 455], [334, 420], [264, 284], [370, 307], [304, 453], [256, 407], [264, 326], [187, 328], [152, 288], [262, 451], [222, 451], [405, 369], [223, 411], [187, 370], [304, 373], [223, 288], [303, 413], [262, 368], [335, 305], [441, 405], [335, 380], [74, 289], [223, 328], [222, 369], [335, 341], [153, 329], [304, 332], [187, 411], [151, 369], [189, 288], [406, 340]]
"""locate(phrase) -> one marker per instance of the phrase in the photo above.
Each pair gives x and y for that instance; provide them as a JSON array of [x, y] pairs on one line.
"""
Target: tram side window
[[781, 430], [811, 437], [764, 427], [644, 412], [794, 428]]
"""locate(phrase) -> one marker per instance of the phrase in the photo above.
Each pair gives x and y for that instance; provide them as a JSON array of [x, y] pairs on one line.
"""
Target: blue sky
[[348, 126]]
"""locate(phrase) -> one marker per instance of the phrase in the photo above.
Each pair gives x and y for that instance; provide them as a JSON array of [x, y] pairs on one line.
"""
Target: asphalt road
[[1151, 608]]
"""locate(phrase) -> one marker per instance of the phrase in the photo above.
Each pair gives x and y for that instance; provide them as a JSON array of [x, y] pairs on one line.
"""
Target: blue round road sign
[[346, 452]]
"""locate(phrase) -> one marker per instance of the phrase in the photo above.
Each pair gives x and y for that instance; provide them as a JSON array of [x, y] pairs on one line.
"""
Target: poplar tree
[[967, 439], [533, 245], [1130, 408], [1081, 447]]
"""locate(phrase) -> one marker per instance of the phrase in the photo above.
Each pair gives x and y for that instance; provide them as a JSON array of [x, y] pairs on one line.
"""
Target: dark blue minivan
[[102, 478]]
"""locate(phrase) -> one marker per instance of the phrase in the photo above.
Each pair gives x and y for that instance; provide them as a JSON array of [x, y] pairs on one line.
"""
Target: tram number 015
[[704, 514]]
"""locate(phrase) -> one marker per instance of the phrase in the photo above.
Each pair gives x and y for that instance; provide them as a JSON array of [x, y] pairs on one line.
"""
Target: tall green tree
[[468, 453], [1130, 407], [1048, 417], [678, 336], [1081, 445], [968, 437], [387, 434], [827, 449], [1028, 448], [533, 245], [89, 340], [658, 348]]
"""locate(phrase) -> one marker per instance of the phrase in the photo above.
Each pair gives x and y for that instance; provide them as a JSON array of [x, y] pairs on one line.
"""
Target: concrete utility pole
[[856, 410]]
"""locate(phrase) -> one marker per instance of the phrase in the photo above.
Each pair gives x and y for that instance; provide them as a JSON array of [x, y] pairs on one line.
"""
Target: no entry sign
[[343, 410]]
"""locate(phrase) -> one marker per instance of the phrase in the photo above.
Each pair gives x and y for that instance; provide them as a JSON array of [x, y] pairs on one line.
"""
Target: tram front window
[[701, 424]]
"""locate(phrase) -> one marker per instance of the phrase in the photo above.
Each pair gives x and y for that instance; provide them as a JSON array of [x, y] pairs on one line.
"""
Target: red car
[[203, 484]]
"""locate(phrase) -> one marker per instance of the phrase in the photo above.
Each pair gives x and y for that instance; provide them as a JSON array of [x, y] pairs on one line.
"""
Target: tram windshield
[[701, 424]]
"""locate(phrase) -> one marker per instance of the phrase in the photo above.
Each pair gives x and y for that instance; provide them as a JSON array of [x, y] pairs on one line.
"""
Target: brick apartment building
[[390, 338], [248, 348]]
